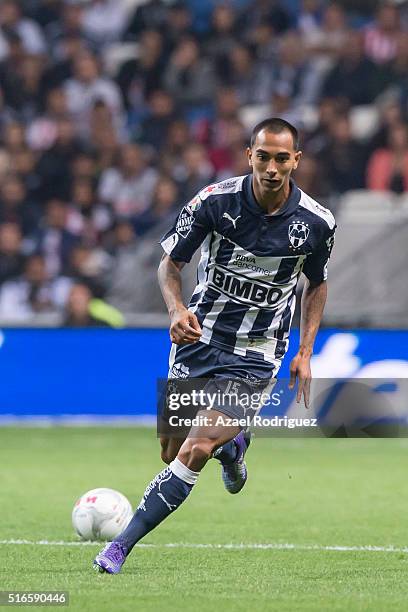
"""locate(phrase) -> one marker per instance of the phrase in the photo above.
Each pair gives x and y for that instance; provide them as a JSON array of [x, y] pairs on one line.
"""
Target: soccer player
[[257, 233]]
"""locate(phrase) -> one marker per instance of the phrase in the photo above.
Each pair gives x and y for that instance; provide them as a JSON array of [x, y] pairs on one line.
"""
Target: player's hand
[[300, 369], [184, 327]]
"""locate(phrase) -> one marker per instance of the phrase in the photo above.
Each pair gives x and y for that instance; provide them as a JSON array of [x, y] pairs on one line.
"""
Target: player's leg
[[232, 454], [167, 491], [232, 458], [169, 448], [204, 440]]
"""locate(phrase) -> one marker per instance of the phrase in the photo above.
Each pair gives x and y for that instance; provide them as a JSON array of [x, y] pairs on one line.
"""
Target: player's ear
[[249, 155], [298, 155]]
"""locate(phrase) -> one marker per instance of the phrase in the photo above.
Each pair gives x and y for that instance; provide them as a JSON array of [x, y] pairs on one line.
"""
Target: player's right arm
[[184, 326], [191, 227]]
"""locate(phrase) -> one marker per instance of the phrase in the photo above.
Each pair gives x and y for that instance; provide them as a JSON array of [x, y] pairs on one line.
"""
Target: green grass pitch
[[350, 493]]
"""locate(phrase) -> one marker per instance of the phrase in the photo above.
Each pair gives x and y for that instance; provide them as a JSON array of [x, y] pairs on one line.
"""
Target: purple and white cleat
[[235, 474], [111, 558]]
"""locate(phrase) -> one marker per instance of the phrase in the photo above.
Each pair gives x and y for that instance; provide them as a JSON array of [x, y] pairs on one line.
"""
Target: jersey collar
[[288, 207]]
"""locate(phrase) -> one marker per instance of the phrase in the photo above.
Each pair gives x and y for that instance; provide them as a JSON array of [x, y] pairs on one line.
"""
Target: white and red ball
[[101, 514]]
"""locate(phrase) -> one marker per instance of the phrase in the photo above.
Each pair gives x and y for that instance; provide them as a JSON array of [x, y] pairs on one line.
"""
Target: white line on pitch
[[268, 546]]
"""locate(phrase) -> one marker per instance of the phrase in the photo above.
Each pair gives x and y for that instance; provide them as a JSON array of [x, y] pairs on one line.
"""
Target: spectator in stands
[[263, 42], [104, 21], [129, 187], [233, 138], [309, 177], [151, 15], [11, 257], [83, 310], [25, 87], [62, 68], [161, 114], [91, 266], [164, 204], [101, 120], [54, 164], [272, 12], [87, 87], [43, 12], [42, 130], [66, 28], [317, 140], [189, 77], [399, 62], [23, 163], [77, 309], [179, 133], [344, 158], [253, 80], [90, 219], [5, 164], [226, 109], [388, 167], [123, 235], [391, 115], [326, 41], [195, 172], [84, 166], [14, 137], [238, 166], [12, 20], [123, 248], [15, 207], [222, 39], [295, 74], [139, 77], [7, 114], [308, 17], [380, 38], [397, 71], [32, 293], [54, 239], [179, 25], [106, 145], [352, 69]]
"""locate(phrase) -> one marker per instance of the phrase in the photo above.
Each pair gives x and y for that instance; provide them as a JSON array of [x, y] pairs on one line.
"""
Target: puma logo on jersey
[[233, 221]]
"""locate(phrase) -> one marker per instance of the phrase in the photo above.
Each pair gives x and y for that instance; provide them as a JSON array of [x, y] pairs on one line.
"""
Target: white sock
[[183, 472]]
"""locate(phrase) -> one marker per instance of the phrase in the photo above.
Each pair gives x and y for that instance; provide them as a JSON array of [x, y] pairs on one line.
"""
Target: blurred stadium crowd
[[116, 112]]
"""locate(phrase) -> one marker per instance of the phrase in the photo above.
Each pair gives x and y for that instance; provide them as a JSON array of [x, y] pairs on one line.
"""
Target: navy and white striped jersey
[[250, 263]]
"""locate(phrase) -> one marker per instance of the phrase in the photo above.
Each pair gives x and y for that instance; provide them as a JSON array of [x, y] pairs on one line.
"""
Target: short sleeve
[[315, 267], [189, 231]]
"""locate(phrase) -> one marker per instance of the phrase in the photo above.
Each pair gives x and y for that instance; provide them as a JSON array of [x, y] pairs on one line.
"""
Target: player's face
[[272, 158]]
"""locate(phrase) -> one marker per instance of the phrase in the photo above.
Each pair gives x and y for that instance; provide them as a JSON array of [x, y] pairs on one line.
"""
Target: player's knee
[[195, 452]]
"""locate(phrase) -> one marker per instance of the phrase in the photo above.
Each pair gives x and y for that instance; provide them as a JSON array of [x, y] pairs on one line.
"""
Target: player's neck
[[271, 202]]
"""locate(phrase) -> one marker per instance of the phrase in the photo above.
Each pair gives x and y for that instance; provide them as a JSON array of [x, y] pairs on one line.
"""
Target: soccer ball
[[101, 514]]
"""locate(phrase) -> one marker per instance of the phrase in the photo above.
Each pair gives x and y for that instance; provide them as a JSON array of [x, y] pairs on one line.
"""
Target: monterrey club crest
[[298, 233]]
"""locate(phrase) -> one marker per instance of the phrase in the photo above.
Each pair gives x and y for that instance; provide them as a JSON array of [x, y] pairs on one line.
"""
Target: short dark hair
[[276, 126]]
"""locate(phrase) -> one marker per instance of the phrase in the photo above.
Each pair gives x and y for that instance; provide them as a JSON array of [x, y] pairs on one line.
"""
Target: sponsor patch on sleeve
[[194, 205], [169, 244], [184, 222]]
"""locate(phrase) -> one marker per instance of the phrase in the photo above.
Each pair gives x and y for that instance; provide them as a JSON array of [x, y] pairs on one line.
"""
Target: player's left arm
[[313, 300]]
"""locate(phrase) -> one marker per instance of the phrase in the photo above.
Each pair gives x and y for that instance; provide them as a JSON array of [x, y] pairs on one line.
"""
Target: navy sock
[[163, 495], [226, 453]]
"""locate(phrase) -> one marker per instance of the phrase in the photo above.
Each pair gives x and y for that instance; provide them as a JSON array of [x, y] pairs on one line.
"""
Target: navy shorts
[[224, 372]]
